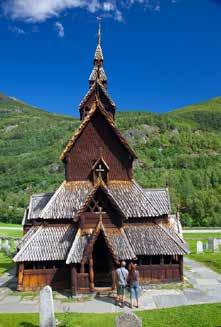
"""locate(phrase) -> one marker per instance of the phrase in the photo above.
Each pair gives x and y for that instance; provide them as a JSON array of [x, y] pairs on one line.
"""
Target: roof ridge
[[27, 243], [51, 199], [126, 239], [77, 236], [41, 194], [155, 189], [138, 186], [171, 236]]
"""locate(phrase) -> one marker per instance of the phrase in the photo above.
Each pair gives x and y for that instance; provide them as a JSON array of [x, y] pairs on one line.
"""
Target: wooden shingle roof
[[36, 205], [128, 197], [154, 239], [65, 242], [67, 200], [47, 243]]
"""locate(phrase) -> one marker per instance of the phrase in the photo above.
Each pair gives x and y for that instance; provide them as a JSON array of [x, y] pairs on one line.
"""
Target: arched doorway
[[103, 263]]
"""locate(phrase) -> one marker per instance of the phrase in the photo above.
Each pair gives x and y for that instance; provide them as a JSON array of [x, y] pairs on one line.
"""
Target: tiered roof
[[67, 242], [72, 198]]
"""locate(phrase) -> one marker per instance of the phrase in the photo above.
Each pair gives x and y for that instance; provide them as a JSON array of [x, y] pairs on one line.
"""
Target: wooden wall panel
[[58, 278], [98, 137]]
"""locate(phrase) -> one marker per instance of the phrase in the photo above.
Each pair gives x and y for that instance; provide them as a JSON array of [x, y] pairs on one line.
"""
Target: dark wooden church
[[75, 237]]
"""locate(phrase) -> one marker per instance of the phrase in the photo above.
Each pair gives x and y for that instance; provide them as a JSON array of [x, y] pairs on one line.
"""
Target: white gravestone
[[199, 247], [213, 244], [47, 317], [128, 319], [7, 247]]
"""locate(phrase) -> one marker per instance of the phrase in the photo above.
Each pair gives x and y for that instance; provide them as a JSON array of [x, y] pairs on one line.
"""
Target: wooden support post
[[181, 268], [91, 274], [113, 279], [73, 279], [20, 276], [161, 260], [82, 268]]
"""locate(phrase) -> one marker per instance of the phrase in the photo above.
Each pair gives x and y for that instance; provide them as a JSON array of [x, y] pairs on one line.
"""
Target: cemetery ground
[[205, 315], [202, 285]]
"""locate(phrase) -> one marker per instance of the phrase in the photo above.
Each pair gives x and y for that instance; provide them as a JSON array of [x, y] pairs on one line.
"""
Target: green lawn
[[209, 258], [11, 233], [6, 263], [10, 225], [207, 315], [201, 236]]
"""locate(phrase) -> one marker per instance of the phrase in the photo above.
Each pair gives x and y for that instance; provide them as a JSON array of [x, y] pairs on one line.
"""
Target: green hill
[[181, 149]]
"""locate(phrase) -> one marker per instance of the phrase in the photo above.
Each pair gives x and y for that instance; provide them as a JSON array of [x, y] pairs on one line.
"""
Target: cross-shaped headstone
[[100, 170]]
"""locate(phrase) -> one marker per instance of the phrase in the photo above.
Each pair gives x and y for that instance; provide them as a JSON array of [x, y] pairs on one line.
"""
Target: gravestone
[[199, 247], [47, 317], [205, 246], [213, 244], [7, 247], [128, 319]]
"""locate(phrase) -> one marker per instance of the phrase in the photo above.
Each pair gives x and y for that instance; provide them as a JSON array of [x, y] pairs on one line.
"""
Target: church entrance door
[[103, 264]]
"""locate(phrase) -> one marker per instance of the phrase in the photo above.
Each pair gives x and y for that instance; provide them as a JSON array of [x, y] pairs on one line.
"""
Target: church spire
[[98, 73]]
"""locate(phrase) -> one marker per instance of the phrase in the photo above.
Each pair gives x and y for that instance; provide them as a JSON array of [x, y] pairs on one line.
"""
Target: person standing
[[121, 280], [133, 281]]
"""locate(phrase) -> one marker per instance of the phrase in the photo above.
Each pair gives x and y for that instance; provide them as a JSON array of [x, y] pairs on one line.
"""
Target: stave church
[[75, 237]]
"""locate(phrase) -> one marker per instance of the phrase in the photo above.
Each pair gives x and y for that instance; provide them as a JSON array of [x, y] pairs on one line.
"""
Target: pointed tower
[[98, 73], [97, 85]]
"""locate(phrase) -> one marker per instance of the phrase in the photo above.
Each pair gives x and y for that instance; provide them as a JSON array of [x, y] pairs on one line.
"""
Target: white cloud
[[60, 29], [108, 6], [16, 30], [40, 10]]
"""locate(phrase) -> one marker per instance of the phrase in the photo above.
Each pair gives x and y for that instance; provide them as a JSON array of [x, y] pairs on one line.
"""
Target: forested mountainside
[[180, 150]]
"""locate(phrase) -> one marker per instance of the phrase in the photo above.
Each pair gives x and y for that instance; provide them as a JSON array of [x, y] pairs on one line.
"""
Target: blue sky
[[159, 55]]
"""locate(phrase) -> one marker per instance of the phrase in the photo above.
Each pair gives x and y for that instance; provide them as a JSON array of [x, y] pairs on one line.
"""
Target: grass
[[10, 225], [6, 263], [11, 233], [206, 315], [208, 258], [201, 236]]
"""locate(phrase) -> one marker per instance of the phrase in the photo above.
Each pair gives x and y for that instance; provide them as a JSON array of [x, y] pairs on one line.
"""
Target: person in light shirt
[[121, 281]]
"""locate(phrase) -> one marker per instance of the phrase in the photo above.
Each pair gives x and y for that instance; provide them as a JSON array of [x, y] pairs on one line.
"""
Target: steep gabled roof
[[93, 89], [97, 106]]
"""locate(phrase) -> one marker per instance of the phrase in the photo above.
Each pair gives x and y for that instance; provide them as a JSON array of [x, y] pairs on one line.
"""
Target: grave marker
[[128, 319], [47, 317], [199, 247]]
